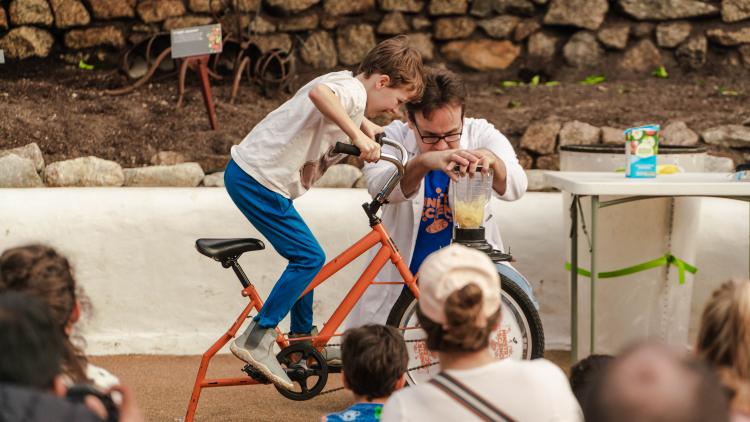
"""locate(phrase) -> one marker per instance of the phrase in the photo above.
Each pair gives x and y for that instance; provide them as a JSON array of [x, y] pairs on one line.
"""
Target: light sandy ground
[[163, 384]]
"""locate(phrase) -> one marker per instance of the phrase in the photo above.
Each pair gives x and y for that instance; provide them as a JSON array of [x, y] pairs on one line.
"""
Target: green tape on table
[[667, 259]]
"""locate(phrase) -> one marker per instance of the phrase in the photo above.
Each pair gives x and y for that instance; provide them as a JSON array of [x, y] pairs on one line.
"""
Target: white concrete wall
[[133, 251]]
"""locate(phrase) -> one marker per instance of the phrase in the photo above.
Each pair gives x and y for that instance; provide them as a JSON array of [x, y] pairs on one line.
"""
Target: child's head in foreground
[[375, 361]]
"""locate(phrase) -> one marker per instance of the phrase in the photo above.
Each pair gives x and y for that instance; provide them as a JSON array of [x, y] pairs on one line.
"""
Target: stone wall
[[634, 36], [479, 34], [24, 167]]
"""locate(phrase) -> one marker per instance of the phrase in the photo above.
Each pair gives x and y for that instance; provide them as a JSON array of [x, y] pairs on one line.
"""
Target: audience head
[[31, 342], [724, 338], [41, 272], [375, 360], [459, 304], [653, 383], [724, 334], [583, 374]]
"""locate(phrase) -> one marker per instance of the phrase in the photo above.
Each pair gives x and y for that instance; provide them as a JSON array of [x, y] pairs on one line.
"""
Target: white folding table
[[596, 184]]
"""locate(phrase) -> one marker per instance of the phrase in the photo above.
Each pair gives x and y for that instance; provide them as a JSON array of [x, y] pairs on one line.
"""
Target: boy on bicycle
[[283, 156]]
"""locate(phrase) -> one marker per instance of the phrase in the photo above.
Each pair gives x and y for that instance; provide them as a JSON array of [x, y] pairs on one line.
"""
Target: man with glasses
[[438, 138]]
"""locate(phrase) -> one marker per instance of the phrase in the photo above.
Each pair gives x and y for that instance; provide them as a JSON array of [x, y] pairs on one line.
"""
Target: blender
[[470, 196]]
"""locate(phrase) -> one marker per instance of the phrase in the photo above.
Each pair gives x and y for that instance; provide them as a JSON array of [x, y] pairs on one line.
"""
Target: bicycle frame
[[388, 251]]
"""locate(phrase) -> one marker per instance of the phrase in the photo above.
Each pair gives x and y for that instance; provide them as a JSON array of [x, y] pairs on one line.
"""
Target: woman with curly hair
[[724, 340], [40, 271]]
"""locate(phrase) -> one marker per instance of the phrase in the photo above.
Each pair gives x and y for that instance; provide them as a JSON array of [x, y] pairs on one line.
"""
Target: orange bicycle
[[520, 334]]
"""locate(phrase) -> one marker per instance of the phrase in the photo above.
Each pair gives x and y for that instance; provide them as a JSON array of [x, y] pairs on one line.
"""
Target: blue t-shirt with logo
[[361, 412], [436, 225]]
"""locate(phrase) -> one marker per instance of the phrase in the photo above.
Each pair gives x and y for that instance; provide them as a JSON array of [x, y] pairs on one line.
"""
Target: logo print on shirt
[[438, 210], [311, 171]]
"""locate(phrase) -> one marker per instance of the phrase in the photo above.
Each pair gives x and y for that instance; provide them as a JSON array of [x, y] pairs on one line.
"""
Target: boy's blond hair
[[398, 59]]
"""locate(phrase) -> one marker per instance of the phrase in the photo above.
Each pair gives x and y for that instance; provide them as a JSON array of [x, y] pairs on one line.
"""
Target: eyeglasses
[[449, 137]]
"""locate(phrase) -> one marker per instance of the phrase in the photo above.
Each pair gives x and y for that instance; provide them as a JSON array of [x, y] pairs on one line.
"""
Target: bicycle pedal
[[336, 369], [255, 374]]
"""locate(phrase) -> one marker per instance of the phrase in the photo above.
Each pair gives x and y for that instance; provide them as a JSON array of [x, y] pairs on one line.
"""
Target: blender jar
[[470, 197]]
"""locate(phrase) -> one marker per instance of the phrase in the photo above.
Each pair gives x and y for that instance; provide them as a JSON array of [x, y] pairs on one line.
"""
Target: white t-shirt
[[527, 391], [292, 146]]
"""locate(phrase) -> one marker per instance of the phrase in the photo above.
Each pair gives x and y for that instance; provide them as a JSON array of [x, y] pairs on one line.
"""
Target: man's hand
[[369, 149], [487, 160], [447, 161]]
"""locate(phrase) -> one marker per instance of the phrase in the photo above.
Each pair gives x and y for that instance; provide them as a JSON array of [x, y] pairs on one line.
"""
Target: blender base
[[474, 238]]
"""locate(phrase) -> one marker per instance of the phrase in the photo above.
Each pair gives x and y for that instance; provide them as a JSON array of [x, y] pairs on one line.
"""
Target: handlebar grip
[[343, 148]]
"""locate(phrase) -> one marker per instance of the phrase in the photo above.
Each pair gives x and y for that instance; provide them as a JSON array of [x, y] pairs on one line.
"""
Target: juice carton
[[641, 147]]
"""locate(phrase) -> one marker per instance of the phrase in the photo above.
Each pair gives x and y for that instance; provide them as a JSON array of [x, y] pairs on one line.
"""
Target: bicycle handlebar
[[349, 149], [398, 162]]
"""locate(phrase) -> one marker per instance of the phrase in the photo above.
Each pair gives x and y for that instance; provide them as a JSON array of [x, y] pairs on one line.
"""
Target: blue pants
[[275, 217]]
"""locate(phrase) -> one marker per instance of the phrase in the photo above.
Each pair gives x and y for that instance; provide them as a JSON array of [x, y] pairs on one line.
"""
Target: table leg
[[594, 212], [574, 280]]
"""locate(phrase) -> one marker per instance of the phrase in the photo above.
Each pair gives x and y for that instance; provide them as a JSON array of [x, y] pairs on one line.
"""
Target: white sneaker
[[255, 346]]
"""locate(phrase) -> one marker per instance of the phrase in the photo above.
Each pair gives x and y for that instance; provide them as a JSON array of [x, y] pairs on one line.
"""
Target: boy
[[281, 158], [375, 361]]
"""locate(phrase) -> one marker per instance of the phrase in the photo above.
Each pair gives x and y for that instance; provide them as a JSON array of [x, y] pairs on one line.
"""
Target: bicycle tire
[[515, 304]]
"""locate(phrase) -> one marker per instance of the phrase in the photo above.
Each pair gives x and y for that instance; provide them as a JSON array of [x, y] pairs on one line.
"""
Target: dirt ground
[[163, 384], [64, 109]]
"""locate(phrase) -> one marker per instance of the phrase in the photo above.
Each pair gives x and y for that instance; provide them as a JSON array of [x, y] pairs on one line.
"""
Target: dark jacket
[[18, 404]]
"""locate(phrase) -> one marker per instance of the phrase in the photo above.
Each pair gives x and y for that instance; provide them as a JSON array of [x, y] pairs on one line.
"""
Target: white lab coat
[[401, 215]]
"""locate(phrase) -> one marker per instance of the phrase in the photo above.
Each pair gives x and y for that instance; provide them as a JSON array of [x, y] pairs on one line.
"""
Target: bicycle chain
[[427, 365]]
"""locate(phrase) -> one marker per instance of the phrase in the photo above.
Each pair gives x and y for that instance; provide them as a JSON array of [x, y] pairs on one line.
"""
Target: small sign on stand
[[195, 45], [2, 57]]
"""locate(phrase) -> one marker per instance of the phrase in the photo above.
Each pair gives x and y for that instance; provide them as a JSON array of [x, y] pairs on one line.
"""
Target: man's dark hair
[[31, 345], [650, 382], [584, 372], [442, 88], [374, 359]]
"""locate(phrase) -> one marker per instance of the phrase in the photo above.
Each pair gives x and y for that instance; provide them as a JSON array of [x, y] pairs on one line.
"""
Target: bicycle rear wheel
[[519, 336]]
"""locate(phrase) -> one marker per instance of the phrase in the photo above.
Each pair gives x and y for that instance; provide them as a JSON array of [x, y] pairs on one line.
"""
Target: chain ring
[[302, 361]]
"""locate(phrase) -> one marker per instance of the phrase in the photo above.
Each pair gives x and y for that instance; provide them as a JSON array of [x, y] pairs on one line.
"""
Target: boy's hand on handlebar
[[370, 150]]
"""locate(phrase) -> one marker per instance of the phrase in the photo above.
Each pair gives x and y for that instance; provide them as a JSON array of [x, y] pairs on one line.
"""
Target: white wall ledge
[[133, 252]]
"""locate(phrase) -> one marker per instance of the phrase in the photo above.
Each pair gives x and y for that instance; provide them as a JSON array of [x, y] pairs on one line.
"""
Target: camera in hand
[[77, 394]]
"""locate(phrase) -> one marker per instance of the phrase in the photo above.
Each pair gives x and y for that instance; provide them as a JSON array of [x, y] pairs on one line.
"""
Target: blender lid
[[457, 168]]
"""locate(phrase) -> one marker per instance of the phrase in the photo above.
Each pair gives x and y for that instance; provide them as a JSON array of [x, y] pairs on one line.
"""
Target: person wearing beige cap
[[459, 306]]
